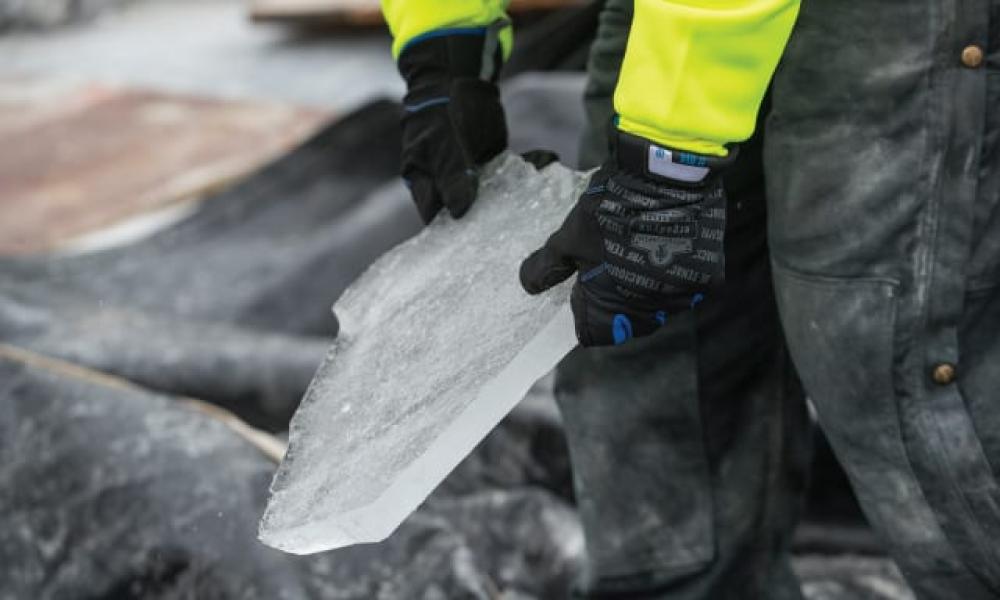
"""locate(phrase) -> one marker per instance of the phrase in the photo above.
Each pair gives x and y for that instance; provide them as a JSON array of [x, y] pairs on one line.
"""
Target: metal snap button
[[943, 374], [972, 56]]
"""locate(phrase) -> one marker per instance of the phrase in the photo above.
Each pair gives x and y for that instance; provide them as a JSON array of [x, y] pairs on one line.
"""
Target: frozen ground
[[210, 48]]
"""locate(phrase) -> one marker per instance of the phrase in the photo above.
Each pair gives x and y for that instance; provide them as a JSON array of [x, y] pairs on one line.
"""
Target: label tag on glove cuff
[[679, 166]]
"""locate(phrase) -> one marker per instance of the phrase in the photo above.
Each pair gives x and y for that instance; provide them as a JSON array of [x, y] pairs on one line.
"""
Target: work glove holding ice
[[645, 240], [438, 342]]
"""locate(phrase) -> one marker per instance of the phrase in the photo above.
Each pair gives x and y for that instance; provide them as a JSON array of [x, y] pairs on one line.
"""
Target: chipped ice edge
[[378, 520]]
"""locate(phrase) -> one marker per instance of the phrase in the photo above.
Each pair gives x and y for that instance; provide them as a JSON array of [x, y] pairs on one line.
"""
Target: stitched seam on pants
[[982, 283], [826, 281]]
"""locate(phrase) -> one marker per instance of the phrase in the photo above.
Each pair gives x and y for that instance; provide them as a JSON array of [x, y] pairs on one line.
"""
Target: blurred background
[[185, 189]]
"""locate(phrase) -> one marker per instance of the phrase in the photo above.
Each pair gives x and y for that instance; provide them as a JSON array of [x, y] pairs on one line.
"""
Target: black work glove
[[453, 122], [646, 239]]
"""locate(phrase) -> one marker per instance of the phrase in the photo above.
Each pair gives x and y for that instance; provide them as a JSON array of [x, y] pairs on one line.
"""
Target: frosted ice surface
[[438, 342]]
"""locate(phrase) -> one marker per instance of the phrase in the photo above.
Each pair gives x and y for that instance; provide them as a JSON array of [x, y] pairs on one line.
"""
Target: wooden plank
[[363, 13], [80, 158], [345, 13]]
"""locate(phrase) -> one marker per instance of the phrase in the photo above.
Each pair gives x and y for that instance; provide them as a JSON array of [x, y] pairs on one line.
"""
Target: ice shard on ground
[[438, 343]]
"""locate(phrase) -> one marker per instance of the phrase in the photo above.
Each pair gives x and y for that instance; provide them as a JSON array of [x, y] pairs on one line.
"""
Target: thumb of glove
[[545, 268]]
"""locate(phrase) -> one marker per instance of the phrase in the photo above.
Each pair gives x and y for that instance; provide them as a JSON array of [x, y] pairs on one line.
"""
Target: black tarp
[[232, 304], [111, 491]]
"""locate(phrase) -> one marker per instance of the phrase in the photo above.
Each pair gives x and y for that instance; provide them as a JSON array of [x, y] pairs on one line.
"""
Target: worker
[[707, 439], [882, 162]]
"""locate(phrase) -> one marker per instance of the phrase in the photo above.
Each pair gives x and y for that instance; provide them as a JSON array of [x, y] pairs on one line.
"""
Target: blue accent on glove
[[661, 317], [592, 273], [621, 329], [696, 299], [419, 106]]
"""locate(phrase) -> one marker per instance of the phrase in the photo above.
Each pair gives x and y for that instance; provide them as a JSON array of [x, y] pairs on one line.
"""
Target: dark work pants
[[883, 170], [689, 448]]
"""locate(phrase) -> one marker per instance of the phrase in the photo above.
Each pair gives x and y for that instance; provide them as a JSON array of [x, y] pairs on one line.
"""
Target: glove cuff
[[431, 62], [638, 155]]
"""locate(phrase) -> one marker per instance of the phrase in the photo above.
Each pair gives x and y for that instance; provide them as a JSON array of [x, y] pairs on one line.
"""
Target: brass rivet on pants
[[972, 56], [943, 374]]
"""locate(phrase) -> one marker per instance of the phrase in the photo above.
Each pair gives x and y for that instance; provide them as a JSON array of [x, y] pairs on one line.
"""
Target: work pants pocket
[[640, 468], [849, 352]]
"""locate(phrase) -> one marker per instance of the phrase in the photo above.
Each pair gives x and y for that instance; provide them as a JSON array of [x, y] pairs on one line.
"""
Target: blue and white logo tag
[[663, 162]]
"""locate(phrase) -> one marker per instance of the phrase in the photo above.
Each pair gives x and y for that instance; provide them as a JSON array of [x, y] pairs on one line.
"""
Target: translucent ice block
[[438, 343]]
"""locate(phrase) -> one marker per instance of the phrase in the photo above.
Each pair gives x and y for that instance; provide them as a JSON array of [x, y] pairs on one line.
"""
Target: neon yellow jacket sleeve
[[409, 19], [695, 71]]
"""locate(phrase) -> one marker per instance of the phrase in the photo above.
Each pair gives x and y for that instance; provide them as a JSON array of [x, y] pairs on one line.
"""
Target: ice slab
[[438, 343]]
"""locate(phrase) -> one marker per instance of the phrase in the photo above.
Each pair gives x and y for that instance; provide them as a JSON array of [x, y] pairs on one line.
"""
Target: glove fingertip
[[621, 329], [580, 316], [424, 196], [428, 211], [528, 273], [544, 269], [460, 194]]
